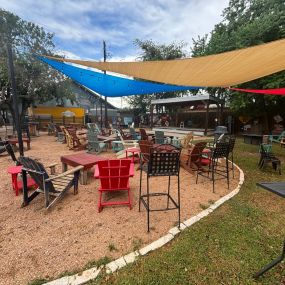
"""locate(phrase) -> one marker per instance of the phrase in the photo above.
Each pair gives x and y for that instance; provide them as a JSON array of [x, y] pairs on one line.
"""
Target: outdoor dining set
[[158, 155]]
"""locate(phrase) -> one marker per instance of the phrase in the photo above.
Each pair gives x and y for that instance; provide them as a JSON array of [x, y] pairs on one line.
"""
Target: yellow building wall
[[56, 112]]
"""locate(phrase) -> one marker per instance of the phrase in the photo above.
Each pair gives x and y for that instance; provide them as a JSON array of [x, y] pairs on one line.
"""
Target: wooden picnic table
[[84, 159], [14, 141]]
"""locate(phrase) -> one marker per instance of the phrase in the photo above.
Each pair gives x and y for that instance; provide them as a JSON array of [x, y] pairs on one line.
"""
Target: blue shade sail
[[109, 85]]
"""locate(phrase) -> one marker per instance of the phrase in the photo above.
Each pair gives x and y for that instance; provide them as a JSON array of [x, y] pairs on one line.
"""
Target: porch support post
[[207, 118]]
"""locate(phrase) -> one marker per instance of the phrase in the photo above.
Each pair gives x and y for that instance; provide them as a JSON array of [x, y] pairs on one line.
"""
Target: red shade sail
[[278, 91]]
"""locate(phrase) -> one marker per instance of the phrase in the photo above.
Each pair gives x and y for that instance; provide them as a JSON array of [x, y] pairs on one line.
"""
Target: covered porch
[[199, 114]]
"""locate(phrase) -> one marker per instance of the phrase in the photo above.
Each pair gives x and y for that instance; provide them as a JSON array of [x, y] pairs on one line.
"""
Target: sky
[[80, 26]]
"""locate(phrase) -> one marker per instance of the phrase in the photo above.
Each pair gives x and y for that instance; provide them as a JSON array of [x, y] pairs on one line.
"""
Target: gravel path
[[35, 243]]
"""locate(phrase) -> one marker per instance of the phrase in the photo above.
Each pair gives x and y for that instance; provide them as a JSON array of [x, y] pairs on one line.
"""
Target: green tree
[[35, 81], [246, 23], [154, 51]]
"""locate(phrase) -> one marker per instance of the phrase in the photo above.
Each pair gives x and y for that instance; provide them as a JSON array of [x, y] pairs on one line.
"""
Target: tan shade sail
[[220, 70]]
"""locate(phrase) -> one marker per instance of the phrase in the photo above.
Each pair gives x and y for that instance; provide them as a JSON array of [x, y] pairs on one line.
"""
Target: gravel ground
[[35, 243]]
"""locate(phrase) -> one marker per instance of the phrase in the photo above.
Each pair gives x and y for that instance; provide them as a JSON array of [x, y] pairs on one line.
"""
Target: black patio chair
[[220, 151], [163, 161], [231, 140], [53, 187]]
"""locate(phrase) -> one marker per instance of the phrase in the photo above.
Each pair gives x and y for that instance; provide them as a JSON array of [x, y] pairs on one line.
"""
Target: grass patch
[[38, 282], [203, 206], [97, 263], [229, 245], [137, 243], [112, 247], [68, 273]]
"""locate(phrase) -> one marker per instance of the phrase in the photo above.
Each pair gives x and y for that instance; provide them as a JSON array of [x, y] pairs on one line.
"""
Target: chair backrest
[[114, 174], [164, 161], [197, 151], [221, 150], [10, 151], [143, 134], [97, 128], [92, 136], [265, 151], [91, 127], [232, 141], [2, 146], [185, 142], [63, 130], [265, 139], [72, 133], [133, 133], [159, 137], [58, 128], [37, 172], [145, 146], [220, 138], [5, 146], [119, 135]]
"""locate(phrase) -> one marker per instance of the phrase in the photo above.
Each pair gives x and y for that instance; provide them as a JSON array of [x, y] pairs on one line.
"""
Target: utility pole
[[106, 111], [14, 97]]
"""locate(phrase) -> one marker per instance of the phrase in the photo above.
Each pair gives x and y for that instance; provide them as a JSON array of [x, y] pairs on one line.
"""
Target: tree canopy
[[35, 81], [154, 51], [246, 23]]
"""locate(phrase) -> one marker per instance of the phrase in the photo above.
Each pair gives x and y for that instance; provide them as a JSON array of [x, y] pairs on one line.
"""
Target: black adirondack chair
[[6, 147], [53, 187]]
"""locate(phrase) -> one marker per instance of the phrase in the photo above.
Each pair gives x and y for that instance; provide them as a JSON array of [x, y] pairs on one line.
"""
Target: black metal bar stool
[[221, 150], [164, 160]]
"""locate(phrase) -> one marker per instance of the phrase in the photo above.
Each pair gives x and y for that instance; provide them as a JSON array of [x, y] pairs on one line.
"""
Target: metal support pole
[[207, 118], [101, 113], [106, 112], [15, 98], [151, 116]]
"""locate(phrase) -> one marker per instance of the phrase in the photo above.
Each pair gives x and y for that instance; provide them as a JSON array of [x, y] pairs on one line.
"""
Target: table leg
[[28, 145], [133, 157], [63, 167], [83, 176], [271, 264], [25, 189], [15, 183]]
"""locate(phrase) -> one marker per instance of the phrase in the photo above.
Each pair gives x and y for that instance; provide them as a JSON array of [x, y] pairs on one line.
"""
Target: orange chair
[[114, 176]]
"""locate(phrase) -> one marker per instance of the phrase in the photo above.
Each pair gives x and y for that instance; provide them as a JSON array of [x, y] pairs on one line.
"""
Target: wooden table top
[[252, 135], [274, 187], [15, 140], [105, 138], [84, 159]]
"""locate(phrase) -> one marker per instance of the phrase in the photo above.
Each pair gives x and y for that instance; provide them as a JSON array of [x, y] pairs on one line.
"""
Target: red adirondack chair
[[114, 176]]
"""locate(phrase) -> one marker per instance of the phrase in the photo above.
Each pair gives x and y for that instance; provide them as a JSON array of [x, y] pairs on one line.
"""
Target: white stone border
[[113, 266]]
